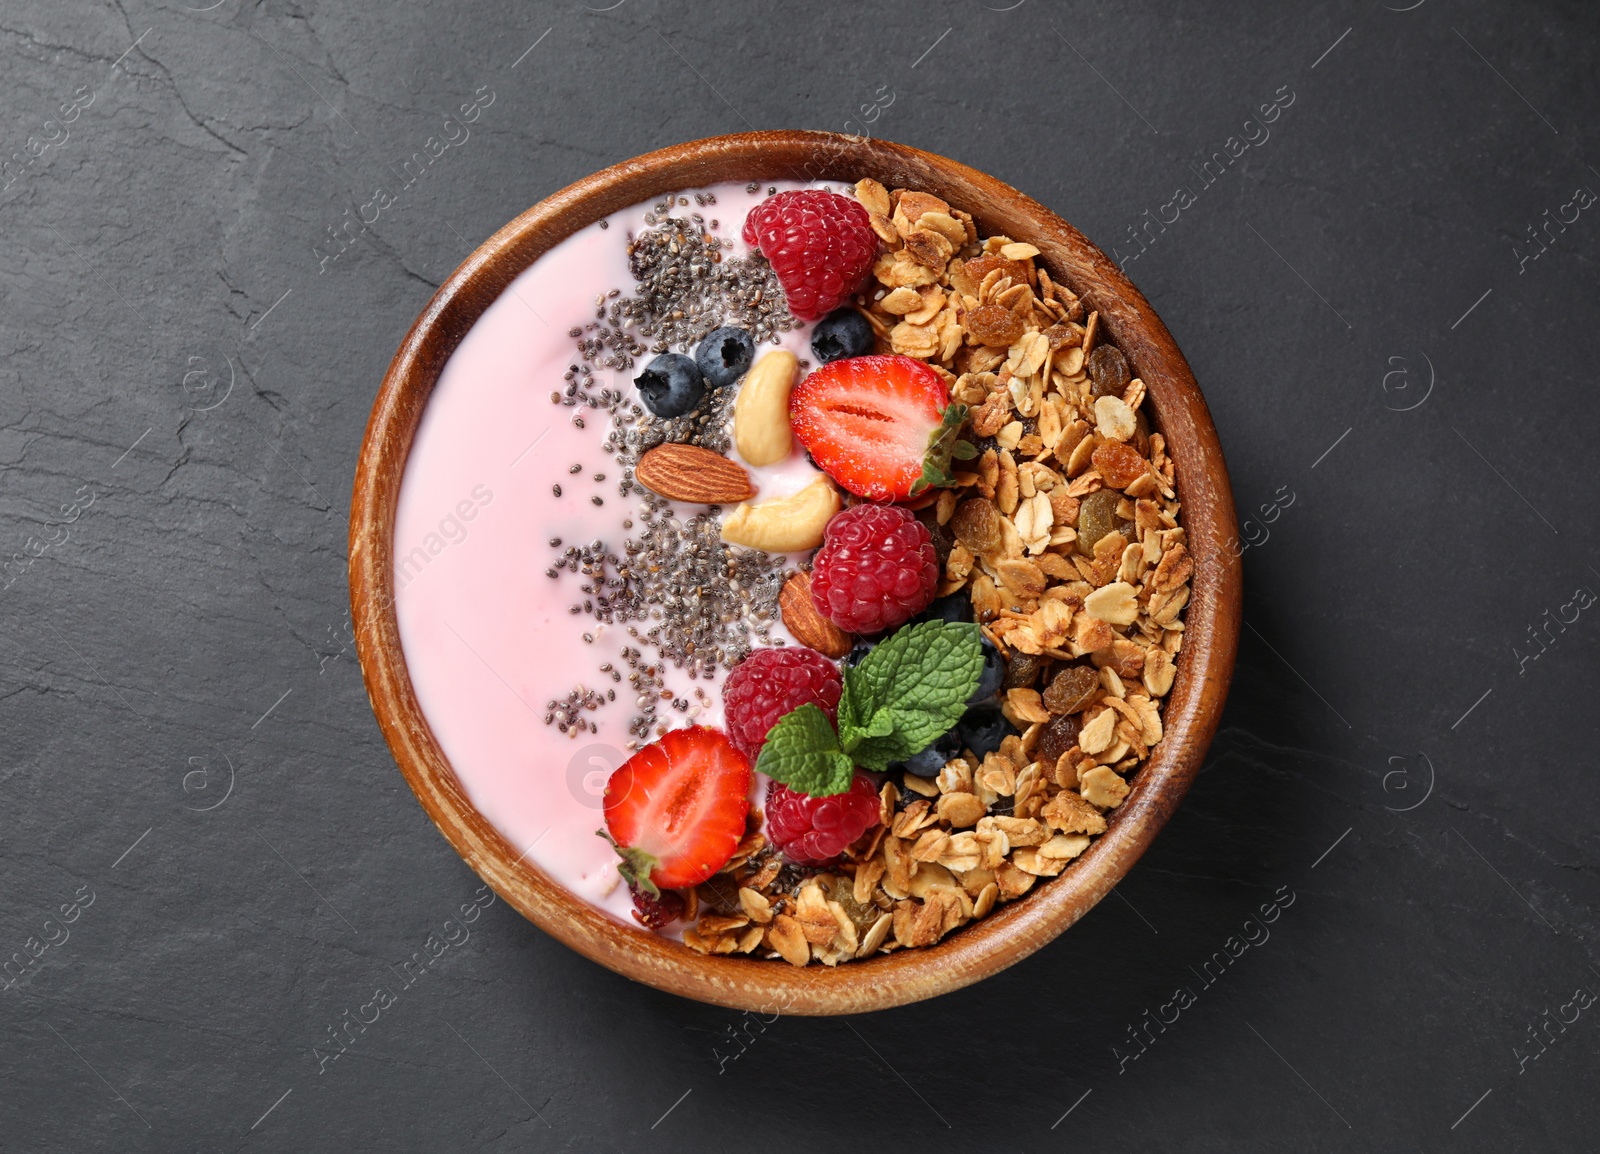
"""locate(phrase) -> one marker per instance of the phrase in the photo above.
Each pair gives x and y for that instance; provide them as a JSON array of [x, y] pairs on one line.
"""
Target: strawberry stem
[[635, 866], [944, 446]]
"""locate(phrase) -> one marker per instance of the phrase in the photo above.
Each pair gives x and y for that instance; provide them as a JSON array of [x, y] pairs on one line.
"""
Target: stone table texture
[[1386, 282]]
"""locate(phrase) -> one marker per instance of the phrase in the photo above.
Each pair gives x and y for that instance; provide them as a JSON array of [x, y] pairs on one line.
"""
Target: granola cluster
[[1064, 532]]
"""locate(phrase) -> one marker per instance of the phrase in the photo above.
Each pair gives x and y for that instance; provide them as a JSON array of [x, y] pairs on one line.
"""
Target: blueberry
[[955, 607], [724, 355], [992, 676], [982, 728], [670, 385], [930, 761], [860, 649], [842, 333]]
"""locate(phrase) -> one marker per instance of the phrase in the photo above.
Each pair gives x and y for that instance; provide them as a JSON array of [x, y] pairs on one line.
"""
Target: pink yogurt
[[487, 635]]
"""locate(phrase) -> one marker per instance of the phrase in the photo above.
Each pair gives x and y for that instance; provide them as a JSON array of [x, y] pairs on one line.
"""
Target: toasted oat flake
[[1113, 418], [1115, 604]]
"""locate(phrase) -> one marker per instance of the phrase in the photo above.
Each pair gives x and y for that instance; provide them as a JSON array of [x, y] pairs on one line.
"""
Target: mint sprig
[[802, 752], [943, 447], [908, 691]]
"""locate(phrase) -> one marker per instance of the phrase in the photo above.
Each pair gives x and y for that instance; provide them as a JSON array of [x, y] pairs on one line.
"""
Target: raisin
[[1097, 516], [842, 890], [1119, 465], [1071, 689], [1023, 671], [1061, 334], [977, 525], [995, 325], [981, 266], [1108, 369], [1060, 735]]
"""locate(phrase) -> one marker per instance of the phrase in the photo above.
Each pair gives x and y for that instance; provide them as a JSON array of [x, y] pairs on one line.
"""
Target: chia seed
[[676, 588], [683, 289]]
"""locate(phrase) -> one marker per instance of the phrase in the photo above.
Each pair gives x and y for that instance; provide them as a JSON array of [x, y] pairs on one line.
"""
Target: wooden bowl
[[1193, 706]]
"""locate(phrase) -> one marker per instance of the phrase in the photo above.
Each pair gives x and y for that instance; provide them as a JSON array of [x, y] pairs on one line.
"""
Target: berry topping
[[654, 912], [725, 355], [931, 760], [881, 426], [671, 385], [982, 728], [906, 694], [819, 243], [953, 607], [842, 333], [676, 809], [768, 684], [876, 569], [993, 675], [814, 830], [859, 651]]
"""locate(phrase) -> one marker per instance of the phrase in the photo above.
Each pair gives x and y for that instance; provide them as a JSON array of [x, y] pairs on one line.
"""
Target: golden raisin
[[1097, 516], [842, 890], [995, 325], [1118, 464], [981, 266], [976, 524], [1071, 689], [1061, 335]]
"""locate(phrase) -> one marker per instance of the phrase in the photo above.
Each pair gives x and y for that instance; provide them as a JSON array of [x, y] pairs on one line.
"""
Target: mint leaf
[[910, 689], [942, 447], [911, 731], [803, 753], [879, 725]]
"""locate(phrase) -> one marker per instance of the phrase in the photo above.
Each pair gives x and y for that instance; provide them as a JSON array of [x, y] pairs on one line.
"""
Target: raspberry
[[814, 830], [819, 243], [768, 684], [653, 913], [876, 569]]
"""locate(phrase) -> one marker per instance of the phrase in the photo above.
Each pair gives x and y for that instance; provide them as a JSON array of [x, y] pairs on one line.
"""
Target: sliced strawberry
[[676, 809], [883, 427]]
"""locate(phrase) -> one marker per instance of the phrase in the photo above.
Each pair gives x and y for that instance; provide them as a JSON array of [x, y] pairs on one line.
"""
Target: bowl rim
[[1193, 706]]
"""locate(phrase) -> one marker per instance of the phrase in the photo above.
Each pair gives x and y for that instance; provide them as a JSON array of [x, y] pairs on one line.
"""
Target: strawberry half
[[676, 809], [883, 427]]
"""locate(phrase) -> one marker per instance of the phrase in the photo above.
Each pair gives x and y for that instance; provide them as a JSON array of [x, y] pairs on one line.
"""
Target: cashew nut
[[761, 411], [787, 524]]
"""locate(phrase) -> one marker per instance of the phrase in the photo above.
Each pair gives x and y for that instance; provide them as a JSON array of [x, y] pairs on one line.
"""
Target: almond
[[809, 627], [690, 473]]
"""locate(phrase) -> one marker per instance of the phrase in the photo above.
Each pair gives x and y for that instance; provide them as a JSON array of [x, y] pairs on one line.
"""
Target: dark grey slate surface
[[189, 754]]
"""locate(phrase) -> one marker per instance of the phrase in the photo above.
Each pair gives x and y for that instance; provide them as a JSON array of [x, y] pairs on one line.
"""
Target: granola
[[1063, 529]]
